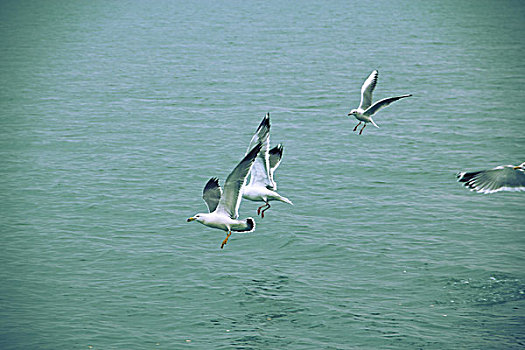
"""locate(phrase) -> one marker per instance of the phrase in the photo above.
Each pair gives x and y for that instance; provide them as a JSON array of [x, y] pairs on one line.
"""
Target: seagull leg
[[265, 209], [357, 126], [362, 129], [259, 209], [226, 239]]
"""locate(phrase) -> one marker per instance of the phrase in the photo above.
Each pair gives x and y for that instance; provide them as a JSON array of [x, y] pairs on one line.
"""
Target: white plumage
[[500, 178], [224, 206], [262, 186], [366, 109]]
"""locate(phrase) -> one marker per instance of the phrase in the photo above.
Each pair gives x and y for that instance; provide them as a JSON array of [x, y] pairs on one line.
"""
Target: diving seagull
[[262, 186], [224, 207], [366, 109], [500, 178]]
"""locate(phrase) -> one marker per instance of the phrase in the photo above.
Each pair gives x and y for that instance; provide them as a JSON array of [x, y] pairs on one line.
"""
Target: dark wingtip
[[254, 151], [212, 183], [467, 177], [265, 122], [277, 150]]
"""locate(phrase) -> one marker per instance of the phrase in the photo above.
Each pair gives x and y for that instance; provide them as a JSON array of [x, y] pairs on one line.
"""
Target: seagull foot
[[265, 209], [225, 240]]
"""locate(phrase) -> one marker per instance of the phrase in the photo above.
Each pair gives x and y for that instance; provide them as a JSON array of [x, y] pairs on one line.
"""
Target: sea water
[[115, 114]]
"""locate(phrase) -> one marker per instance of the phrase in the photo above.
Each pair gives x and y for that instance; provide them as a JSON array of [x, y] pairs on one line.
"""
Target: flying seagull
[[366, 109], [262, 186], [224, 207], [500, 178]]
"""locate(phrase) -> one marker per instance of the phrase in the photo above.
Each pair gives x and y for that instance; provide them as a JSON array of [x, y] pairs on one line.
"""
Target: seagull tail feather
[[373, 123], [285, 200], [247, 225]]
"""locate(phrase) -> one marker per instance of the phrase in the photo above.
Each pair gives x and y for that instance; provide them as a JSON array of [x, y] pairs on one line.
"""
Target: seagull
[[262, 186], [224, 207], [366, 109], [500, 178]]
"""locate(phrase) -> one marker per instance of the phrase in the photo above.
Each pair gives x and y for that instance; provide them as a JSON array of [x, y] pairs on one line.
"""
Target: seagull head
[[521, 166], [353, 112], [197, 217]]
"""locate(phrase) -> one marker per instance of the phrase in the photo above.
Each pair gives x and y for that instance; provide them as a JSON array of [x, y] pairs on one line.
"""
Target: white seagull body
[[366, 109], [224, 207], [262, 187], [500, 178]]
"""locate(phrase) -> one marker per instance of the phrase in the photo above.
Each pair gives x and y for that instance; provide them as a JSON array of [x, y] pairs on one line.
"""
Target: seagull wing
[[275, 155], [231, 198], [367, 89], [501, 178], [212, 194], [262, 133], [260, 172], [382, 103]]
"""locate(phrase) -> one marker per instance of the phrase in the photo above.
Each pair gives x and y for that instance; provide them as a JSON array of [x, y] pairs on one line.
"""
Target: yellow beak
[[191, 219]]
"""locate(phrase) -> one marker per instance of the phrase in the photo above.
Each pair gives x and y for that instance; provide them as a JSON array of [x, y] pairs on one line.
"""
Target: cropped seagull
[[500, 178], [224, 207], [262, 187], [366, 110]]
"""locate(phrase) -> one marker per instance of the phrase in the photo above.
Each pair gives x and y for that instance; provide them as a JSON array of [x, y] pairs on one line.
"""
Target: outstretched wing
[[260, 172], [367, 89], [275, 155], [212, 194], [260, 136], [501, 178], [231, 198], [382, 103]]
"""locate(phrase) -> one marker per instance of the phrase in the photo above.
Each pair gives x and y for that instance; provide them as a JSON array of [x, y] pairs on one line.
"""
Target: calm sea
[[115, 114]]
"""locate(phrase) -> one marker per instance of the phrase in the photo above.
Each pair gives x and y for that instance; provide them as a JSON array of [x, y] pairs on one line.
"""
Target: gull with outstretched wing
[[500, 178], [366, 109], [262, 186], [223, 206]]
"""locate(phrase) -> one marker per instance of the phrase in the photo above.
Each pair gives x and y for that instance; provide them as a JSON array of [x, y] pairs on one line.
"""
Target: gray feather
[[212, 194], [381, 104], [231, 198]]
